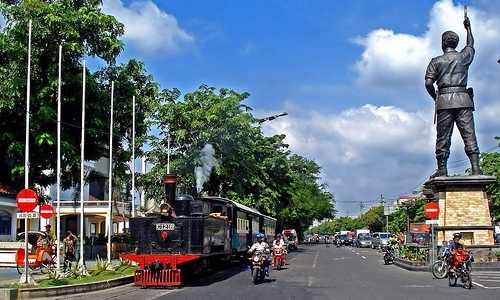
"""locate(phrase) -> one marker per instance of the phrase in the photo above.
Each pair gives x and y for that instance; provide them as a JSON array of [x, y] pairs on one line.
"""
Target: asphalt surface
[[318, 272]]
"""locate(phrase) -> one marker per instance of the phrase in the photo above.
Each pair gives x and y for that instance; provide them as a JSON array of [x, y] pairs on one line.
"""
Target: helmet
[[259, 235], [457, 235]]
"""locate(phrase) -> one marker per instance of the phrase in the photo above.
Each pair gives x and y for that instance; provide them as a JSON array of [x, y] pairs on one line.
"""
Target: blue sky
[[350, 73], [274, 48]]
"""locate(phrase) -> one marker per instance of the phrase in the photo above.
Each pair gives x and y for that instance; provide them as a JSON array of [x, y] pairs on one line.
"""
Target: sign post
[[26, 201], [431, 210], [46, 211]]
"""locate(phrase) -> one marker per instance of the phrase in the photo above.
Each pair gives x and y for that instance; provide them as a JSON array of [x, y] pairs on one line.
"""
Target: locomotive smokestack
[[170, 181]]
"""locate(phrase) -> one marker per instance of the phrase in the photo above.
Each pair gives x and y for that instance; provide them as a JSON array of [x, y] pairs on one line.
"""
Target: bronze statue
[[454, 102]]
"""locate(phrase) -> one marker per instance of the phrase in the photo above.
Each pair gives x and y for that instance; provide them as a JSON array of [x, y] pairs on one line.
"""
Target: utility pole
[[382, 201]]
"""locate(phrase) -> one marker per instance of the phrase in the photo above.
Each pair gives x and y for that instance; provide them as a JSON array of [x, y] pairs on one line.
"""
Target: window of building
[[5, 223], [93, 227]]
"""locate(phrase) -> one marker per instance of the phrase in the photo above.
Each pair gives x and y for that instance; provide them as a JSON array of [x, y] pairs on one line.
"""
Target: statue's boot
[[442, 169], [474, 162]]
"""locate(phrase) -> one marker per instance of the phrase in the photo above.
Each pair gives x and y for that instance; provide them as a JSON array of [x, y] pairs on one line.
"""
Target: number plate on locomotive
[[165, 226]]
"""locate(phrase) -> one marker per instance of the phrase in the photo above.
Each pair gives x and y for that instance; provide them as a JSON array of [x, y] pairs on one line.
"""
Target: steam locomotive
[[195, 231]]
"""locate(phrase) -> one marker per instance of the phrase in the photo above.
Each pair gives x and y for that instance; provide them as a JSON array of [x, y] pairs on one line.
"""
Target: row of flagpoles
[[26, 277]]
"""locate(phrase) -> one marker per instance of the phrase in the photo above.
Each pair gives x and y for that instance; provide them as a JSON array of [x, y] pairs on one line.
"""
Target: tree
[[490, 165], [372, 219], [83, 30], [249, 167]]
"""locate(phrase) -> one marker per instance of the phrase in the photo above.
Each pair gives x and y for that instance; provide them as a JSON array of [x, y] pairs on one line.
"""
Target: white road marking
[[363, 257], [310, 281], [417, 286], [315, 260]]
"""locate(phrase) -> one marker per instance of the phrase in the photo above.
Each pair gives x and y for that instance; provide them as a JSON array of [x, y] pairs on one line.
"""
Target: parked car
[[363, 240], [380, 239], [344, 239]]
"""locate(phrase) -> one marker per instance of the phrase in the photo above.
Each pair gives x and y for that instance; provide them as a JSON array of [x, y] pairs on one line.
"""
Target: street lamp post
[[270, 118]]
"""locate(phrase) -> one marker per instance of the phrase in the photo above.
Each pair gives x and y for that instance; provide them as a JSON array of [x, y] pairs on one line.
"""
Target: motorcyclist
[[261, 246], [392, 241], [280, 243], [452, 246], [455, 243]]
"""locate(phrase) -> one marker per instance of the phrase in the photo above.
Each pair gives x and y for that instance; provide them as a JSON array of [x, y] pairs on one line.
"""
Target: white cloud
[[398, 61], [148, 28], [365, 150]]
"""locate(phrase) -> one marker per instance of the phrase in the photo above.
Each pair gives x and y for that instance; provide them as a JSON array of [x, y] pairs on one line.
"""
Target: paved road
[[317, 272]]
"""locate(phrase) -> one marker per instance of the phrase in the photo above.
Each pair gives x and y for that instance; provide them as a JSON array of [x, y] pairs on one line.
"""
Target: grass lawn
[[94, 277]]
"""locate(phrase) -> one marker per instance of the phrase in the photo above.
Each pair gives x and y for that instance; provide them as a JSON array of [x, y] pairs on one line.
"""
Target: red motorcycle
[[461, 268], [278, 257]]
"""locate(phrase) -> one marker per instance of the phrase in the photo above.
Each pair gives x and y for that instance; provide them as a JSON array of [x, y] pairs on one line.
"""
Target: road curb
[[404, 265], [475, 267], [30, 293]]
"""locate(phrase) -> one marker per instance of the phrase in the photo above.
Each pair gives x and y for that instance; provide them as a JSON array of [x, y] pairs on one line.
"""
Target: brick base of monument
[[463, 207]]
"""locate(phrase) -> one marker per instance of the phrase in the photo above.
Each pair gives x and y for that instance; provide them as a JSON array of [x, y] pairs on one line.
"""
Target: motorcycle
[[259, 267], [279, 258], [461, 268], [441, 266], [388, 255]]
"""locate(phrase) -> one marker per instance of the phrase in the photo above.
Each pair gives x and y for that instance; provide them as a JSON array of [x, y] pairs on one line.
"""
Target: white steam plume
[[208, 162]]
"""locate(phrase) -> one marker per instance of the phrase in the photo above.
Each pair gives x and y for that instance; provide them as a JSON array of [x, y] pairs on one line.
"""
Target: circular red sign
[[46, 211], [26, 200], [431, 210]]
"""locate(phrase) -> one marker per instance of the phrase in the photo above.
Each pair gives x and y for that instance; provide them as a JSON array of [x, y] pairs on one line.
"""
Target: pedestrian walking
[[69, 247]]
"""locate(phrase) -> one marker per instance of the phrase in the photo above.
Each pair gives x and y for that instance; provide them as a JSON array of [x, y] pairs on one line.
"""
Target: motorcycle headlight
[[255, 258]]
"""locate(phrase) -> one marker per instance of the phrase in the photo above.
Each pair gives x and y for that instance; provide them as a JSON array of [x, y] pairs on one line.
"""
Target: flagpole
[[82, 171], [110, 179], [133, 156], [58, 193], [143, 172], [26, 278]]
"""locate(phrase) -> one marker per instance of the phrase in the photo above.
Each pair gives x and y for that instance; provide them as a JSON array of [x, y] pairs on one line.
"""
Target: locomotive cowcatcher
[[189, 234]]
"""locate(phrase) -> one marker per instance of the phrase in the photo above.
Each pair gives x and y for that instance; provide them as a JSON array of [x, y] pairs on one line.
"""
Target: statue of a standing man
[[454, 102]]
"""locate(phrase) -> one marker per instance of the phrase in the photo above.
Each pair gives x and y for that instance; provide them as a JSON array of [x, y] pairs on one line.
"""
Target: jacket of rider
[[259, 246]]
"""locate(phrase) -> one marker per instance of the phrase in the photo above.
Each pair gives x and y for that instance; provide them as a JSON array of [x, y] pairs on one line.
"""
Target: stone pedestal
[[463, 207]]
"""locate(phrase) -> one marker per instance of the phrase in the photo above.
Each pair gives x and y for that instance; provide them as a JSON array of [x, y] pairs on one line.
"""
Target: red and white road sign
[[46, 211], [26, 200], [431, 210]]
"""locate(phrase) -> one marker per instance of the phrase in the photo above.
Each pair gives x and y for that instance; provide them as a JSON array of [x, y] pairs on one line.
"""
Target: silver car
[[380, 239]]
